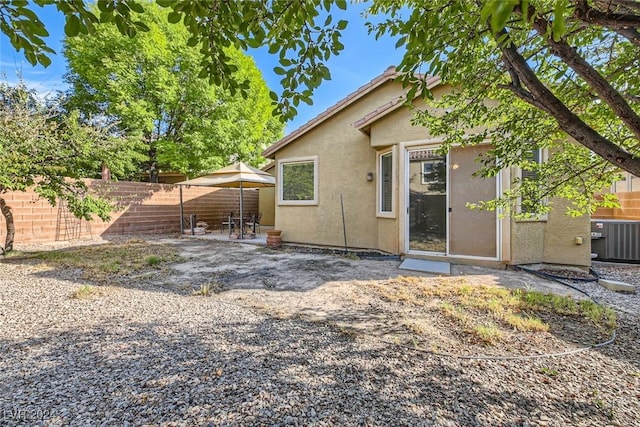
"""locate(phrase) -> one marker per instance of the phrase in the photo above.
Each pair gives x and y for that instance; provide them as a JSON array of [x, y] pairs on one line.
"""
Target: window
[[431, 171], [627, 183], [298, 181], [385, 189], [530, 197]]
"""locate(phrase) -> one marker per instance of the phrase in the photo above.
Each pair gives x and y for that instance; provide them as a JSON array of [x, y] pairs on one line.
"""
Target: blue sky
[[363, 59]]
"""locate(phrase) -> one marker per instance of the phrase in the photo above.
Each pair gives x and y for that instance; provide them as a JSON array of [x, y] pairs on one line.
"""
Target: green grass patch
[[598, 314], [526, 323], [104, 262], [84, 292], [454, 312], [489, 313], [488, 333], [14, 254], [153, 260], [601, 316]]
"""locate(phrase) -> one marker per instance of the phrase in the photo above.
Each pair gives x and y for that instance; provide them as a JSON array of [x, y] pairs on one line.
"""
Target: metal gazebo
[[238, 175]]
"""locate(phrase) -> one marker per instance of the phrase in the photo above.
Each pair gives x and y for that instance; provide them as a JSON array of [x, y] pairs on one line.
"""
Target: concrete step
[[436, 267], [616, 286]]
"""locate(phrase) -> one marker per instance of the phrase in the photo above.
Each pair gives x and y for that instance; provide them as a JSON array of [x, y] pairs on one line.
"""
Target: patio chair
[[254, 222], [228, 222]]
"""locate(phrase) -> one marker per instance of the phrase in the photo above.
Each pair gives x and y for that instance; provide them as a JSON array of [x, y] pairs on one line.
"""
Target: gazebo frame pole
[[241, 213], [181, 212]]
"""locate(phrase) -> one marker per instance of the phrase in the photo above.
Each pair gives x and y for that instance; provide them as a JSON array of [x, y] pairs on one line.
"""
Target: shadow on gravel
[[288, 372], [626, 346]]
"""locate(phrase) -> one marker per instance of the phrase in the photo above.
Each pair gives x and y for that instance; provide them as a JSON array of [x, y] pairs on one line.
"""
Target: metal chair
[[255, 222], [227, 221]]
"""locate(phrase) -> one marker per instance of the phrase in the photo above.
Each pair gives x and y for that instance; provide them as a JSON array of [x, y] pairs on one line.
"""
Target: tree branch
[[625, 24], [567, 120], [625, 6], [609, 19], [598, 83], [632, 97], [523, 94]]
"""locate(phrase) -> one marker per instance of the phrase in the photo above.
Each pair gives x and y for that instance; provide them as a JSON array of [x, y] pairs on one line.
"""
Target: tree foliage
[[149, 87], [298, 181], [293, 29], [49, 153], [552, 68]]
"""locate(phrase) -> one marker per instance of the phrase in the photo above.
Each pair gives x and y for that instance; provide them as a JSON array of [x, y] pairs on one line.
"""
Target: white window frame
[[394, 184], [422, 174], [294, 160], [543, 156], [629, 180]]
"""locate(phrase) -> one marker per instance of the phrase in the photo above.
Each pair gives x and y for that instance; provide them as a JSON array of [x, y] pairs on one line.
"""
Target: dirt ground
[[238, 266], [343, 292], [353, 295], [104, 336]]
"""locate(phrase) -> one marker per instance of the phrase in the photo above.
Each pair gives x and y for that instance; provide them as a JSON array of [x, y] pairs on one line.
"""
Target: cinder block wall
[[629, 208], [143, 208]]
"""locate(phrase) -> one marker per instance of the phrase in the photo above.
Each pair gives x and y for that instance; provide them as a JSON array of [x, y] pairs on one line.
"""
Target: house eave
[[389, 74], [364, 124]]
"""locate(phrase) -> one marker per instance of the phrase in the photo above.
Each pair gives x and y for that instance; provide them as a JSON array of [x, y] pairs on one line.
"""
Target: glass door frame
[[407, 195]]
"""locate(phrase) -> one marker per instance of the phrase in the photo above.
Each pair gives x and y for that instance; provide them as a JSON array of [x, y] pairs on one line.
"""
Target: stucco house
[[363, 156]]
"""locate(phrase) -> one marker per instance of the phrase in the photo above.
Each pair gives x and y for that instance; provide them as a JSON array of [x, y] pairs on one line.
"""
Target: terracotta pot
[[274, 240]]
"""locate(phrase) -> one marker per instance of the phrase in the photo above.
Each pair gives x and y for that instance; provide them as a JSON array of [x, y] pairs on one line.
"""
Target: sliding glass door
[[427, 213]]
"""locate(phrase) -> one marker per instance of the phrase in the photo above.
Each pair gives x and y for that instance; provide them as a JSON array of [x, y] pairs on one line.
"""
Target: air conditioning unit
[[616, 239]]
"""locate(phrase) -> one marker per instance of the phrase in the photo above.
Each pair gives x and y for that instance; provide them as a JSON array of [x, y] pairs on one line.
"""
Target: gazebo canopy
[[238, 175]]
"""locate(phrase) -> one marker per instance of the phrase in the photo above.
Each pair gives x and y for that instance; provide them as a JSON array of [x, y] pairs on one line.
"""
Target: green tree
[[289, 28], [149, 87], [556, 68], [49, 153], [553, 68]]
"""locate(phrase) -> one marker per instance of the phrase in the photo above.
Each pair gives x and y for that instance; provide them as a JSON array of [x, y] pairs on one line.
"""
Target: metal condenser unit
[[615, 239]]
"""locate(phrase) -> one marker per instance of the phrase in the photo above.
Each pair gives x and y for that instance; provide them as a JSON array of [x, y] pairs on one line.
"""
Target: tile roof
[[394, 104], [389, 74]]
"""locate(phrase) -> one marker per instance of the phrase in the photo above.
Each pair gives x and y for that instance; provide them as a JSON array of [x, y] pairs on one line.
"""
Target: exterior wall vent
[[616, 239]]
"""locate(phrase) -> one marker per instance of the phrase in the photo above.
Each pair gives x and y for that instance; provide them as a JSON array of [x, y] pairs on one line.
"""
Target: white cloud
[[44, 89]]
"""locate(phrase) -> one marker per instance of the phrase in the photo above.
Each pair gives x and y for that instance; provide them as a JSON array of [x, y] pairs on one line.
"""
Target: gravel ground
[[147, 355]]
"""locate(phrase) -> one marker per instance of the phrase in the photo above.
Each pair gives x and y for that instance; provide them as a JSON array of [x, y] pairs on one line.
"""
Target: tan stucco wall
[[552, 241], [345, 157], [396, 126], [527, 242], [388, 235], [267, 201], [559, 236], [267, 205]]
